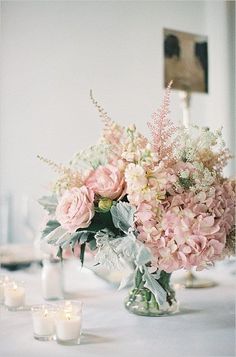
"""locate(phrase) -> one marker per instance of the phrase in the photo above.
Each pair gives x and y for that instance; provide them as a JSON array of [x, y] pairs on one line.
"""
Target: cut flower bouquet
[[156, 205]]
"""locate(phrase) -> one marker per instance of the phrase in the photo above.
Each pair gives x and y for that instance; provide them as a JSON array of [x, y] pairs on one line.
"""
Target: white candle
[[185, 98], [52, 279], [14, 295], [43, 322], [68, 327]]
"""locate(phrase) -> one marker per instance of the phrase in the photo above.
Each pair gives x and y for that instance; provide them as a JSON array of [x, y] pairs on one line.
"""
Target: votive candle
[[68, 323], [14, 295], [43, 322]]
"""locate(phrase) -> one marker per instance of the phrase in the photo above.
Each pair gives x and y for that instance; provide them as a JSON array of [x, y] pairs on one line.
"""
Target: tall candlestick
[[185, 98]]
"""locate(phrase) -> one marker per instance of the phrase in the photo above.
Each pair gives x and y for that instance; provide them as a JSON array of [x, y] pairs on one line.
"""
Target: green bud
[[105, 204]]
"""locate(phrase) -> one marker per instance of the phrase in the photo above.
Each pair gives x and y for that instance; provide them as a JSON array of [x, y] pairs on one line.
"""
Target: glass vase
[[141, 301]]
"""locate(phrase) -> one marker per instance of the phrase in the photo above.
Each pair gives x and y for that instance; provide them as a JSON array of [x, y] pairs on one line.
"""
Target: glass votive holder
[[14, 295], [68, 323], [43, 317]]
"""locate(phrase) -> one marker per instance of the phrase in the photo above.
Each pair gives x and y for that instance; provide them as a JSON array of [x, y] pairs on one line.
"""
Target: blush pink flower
[[75, 208], [106, 181], [193, 228]]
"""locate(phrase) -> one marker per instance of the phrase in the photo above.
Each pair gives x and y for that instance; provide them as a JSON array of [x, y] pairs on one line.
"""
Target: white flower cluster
[[91, 158], [189, 142]]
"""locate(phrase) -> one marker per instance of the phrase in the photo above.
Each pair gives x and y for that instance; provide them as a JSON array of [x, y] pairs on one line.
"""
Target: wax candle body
[[14, 296], [43, 323], [68, 329], [52, 280]]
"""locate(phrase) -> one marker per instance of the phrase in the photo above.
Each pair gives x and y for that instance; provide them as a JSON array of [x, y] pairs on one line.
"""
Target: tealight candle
[[14, 294], [43, 322], [68, 324]]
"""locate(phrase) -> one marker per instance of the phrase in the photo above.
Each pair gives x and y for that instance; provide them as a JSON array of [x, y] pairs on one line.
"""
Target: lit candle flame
[[45, 313], [14, 285]]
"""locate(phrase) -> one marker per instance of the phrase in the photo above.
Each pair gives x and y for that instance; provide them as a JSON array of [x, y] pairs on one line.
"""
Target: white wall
[[54, 52]]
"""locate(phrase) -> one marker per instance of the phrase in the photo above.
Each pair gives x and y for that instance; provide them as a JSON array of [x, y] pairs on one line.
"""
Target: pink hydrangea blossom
[[193, 229]]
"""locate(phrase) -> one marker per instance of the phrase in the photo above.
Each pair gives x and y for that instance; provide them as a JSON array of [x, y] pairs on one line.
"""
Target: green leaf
[[102, 220], [49, 203], [50, 226], [82, 252], [59, 253], [123, 216], [93, 244]]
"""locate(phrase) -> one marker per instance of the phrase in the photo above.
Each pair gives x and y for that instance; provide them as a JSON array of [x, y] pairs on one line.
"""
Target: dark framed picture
[[186, 61]]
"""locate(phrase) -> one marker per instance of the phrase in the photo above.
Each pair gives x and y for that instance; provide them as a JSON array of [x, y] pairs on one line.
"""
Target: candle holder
[[68, 323], [14, 296], [43, 317]]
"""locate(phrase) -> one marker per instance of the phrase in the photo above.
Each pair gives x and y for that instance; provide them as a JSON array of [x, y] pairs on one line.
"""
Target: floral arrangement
[[158, 204]]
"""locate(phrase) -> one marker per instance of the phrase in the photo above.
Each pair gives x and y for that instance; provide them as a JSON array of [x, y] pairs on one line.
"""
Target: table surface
[[204, 327]]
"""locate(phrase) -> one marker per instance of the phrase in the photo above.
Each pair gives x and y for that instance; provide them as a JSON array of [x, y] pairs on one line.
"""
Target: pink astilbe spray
[[162, 129], [112, 132]]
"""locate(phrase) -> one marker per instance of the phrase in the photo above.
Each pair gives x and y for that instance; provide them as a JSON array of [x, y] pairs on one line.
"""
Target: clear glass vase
[[141, 300]]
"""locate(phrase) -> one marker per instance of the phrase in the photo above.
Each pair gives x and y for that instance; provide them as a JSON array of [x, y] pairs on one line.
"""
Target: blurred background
[[54, 52]]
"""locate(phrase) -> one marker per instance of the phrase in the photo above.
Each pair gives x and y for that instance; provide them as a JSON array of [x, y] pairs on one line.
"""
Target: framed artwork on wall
[[186, 61]]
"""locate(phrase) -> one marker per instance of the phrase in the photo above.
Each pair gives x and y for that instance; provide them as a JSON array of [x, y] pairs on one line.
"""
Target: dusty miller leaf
[[123, 216], [153, 285], [143, 255], [107, 254], [127, 281], [50, 226], [49, 203], [58, 236]]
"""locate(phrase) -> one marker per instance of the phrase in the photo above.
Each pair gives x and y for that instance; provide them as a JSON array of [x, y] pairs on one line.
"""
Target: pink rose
[[106, 181], [75, 208]]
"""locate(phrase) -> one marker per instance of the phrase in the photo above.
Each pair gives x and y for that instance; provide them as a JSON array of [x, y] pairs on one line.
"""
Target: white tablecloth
[[204, 326]]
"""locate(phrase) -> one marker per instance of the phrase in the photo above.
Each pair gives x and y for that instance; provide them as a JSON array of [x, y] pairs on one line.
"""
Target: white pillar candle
[[68, 327], [14, 295], [43, 322], [52, 279]]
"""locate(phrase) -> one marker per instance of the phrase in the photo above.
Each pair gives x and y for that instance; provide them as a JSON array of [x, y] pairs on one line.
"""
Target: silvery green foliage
[[123, 216], [152, 284], [61, 237], [117, 252], [127, 281], [133, 251], [58, 236], [107, 254], [49, 203]]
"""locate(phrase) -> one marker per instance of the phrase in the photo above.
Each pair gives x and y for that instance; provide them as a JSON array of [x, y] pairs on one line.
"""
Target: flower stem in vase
[[142, 301]]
